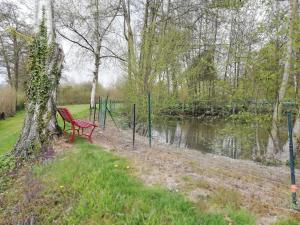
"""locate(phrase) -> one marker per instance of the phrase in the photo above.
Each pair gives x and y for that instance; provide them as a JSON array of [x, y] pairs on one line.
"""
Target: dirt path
[[204, 177]]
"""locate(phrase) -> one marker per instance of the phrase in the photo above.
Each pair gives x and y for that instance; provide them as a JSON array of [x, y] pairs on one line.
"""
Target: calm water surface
[[235, 140]]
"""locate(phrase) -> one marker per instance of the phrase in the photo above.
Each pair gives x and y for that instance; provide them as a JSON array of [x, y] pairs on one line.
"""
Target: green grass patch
[[11, 127], [288, 222], [91, 186], [9, 131]]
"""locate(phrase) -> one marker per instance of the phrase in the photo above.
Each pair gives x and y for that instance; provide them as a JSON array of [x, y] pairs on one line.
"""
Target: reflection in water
[[238, 141]]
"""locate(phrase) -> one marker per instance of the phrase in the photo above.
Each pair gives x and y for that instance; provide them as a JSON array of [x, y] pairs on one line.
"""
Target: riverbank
[[211, 181], [85, 184], [82, 183], [212, 109]]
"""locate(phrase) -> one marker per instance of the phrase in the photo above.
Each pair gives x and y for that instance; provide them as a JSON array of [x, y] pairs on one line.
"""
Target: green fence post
[[105, 109], [100, 111], [292, 159], [90, 112], [133, 125], [95, 110], [149, 119]]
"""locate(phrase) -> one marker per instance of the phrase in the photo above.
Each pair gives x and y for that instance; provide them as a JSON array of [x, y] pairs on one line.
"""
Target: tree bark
[[6, 61], [96, 54], [130, 40], [40, 124], [95, 79], [147, 41], [16, 66]]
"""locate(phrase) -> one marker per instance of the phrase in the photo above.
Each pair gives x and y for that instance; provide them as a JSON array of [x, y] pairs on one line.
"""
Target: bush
[[7, 165], [77, 94]]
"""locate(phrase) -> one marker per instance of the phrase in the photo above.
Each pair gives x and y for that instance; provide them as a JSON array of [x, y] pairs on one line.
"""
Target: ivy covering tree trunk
[[40, 125]]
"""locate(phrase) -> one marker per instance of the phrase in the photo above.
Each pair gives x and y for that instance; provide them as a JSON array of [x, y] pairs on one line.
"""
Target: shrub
[[77, 94]]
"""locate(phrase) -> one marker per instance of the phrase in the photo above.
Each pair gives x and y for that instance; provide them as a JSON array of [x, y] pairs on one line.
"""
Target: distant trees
[[87, 24], [242, 53], [14, 36], [189, 47]]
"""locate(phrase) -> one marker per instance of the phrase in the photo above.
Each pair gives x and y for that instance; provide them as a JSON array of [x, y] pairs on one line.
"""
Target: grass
[[10, 128], [87, 185], [9, 131], [288, 222]]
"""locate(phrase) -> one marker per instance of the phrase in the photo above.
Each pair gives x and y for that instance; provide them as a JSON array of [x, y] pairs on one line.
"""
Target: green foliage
[[77, 93], [241, 217], [40, 85], [38, 90], [228, 4], [203, 67], [166, 58], [266, 71], [188, 65], [248, 117], [287, 222], [10, 131], [7, 165]]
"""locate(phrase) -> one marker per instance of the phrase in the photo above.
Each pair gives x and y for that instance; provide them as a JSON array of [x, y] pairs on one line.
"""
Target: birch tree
[[128, 34], [14, 34], [87, 25]]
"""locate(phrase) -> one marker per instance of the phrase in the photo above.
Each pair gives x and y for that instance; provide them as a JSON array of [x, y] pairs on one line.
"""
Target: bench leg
[[64, 130], [72, 135], [90, 135]]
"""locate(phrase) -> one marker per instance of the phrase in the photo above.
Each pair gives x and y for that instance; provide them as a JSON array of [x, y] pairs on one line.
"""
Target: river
[[227, 138]]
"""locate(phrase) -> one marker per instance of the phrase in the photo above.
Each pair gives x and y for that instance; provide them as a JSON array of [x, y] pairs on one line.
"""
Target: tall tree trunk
[[95, 79], [148, 44], [16, 66], [273, 141], [229, 48], [6, 61], [174, 82], [96, 54], [130, 40], [40, 124], [144, 47]]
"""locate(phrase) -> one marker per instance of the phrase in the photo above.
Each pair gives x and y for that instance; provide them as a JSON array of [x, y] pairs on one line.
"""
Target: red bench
[[76, 125]]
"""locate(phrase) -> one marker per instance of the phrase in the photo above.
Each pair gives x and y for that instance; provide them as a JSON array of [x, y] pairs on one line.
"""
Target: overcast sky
[[77, 69]]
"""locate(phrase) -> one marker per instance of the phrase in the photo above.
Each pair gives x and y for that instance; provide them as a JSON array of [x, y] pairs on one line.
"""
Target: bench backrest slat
[[65, 114]]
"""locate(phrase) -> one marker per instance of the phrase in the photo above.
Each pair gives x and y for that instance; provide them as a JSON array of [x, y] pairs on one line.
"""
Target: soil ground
[[205, 178]]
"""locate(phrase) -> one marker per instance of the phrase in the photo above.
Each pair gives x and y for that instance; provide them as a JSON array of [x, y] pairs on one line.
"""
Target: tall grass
[[7, 101], [77, 94]]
